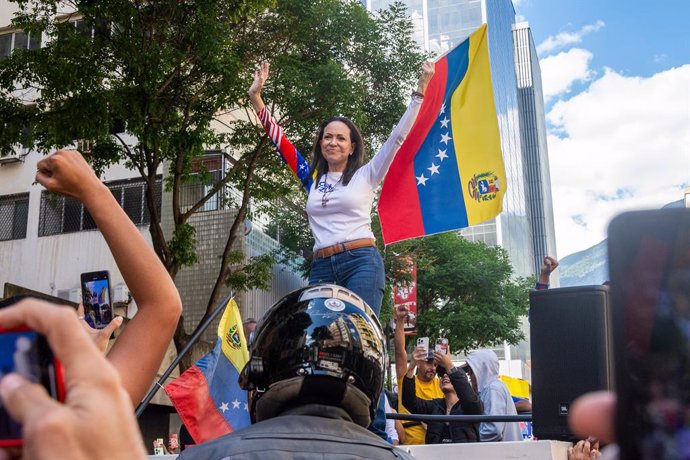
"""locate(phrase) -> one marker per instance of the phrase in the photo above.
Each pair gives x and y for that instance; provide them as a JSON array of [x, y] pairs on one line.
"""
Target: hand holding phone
[[96, 297], [97, 416], [26, 353]]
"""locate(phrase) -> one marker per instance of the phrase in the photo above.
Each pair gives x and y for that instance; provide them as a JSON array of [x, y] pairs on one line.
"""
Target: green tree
[[171, 71], [465, 291]]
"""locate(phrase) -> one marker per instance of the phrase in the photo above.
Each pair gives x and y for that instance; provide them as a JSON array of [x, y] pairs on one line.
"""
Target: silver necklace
[[328, 188]]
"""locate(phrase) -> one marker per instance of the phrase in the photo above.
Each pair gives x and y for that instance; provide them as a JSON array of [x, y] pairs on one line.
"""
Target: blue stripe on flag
[[436, 168]]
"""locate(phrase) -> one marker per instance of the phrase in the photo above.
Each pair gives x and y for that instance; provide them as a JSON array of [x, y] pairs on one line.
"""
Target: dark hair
[[354, 161]]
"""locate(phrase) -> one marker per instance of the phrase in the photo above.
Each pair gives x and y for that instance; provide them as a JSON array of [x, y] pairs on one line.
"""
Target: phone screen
[[95, 287], [649, 260], [26, 353]]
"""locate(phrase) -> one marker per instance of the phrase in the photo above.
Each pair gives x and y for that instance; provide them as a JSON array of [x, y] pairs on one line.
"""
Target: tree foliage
[[465, 291], [175, 75]]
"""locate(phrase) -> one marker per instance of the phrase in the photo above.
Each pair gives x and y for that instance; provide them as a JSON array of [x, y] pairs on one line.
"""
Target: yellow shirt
[[424, 390]]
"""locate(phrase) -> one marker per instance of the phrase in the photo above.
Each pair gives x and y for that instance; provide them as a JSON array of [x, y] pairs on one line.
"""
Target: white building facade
[[47, 241]]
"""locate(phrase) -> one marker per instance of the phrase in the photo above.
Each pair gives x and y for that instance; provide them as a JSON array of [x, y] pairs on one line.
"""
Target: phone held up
[[649, 263], [27, 353], [442, 346], [423, 342], [96, 298]]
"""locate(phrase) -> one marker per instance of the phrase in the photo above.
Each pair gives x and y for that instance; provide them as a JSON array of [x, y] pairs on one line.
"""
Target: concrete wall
[[52, 263]]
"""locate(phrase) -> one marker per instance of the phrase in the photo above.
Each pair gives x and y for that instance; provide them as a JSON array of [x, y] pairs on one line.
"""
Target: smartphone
[[649, 264], [442, 346], [96, 297], [27, 353], [423, 342]]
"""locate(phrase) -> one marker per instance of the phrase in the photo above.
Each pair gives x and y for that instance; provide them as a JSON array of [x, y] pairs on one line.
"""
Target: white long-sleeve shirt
[[347, 214]]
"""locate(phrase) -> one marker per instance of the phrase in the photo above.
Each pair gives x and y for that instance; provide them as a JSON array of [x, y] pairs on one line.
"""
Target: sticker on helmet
[[334, 304], [329, 365]]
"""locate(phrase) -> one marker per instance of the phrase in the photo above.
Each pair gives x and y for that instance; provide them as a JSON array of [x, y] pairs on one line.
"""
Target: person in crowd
[[522, 405], [340, 191], [458, 399], [482, 368], [584, 449], [391, 428], [547, 267], [158, 302], [313, 400], [427, 385], [96, 421]]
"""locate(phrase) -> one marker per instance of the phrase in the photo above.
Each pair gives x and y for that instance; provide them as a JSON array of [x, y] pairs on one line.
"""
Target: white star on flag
[[433, 169], [235, 404], [443, 108], [421, 180], [444, 122], [445, 138], [246, 407], [224, 407], [441, 154]]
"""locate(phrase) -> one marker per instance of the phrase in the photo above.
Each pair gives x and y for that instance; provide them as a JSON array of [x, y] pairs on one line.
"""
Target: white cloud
[[559, 72], [624, 144], [567, 38]]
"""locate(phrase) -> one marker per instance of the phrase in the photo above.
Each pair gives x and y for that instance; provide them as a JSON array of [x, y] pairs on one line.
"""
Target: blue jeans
[[360, 270]]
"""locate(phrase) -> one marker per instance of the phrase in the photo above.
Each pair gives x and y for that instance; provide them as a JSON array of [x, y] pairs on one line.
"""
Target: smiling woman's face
[[336, 145]]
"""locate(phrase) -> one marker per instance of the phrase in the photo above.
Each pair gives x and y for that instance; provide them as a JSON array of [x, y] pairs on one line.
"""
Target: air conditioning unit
[[10, 158], [120, 294], [73, 295]]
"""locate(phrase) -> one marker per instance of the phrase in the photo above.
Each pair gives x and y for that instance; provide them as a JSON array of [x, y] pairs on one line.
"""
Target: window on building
[[206, 172], [19, 40], [60, 214], [14, 213]]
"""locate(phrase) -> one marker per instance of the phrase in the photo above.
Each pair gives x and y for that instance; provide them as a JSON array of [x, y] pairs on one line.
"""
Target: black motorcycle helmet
[[320, 344]]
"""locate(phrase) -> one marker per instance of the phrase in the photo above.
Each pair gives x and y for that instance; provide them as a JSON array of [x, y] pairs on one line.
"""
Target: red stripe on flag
[[400, 185], [290, 154], [192, 399]]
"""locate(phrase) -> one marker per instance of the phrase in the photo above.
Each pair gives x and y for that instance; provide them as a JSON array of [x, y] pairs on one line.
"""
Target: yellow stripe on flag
[[476, 135]]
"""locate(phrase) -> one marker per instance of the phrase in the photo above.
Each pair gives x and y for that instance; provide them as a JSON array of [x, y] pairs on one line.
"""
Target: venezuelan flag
[[207, 396], [449, 172]]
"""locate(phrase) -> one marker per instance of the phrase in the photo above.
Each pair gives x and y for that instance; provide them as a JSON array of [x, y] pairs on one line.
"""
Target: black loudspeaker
[[571, 353]]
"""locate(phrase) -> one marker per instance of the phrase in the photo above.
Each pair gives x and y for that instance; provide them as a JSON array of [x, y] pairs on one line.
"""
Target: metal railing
[[460, 418]]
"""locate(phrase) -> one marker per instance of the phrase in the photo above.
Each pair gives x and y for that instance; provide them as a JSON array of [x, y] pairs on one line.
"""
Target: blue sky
[[616, 77]]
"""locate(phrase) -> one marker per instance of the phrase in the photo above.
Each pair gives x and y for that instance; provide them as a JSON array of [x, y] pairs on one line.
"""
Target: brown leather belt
[[337, 248]]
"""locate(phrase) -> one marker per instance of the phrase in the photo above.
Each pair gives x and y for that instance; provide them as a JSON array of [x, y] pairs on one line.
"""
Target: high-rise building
[[534, 147]]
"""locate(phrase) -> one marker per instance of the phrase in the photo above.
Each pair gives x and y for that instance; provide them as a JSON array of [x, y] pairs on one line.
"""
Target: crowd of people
[[329, 400]]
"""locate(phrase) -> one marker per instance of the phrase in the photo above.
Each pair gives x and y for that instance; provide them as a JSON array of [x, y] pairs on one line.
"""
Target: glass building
[[439, 25], [534, 147]]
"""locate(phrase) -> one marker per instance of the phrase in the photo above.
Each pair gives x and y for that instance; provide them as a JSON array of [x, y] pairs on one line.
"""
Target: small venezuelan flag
[[207, 396]]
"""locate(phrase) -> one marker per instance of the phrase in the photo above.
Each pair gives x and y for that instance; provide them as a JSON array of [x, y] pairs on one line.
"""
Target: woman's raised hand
[[260, 77], [427, 71]]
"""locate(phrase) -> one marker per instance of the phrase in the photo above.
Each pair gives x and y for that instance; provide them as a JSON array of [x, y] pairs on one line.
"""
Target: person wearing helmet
[[314, 378]]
